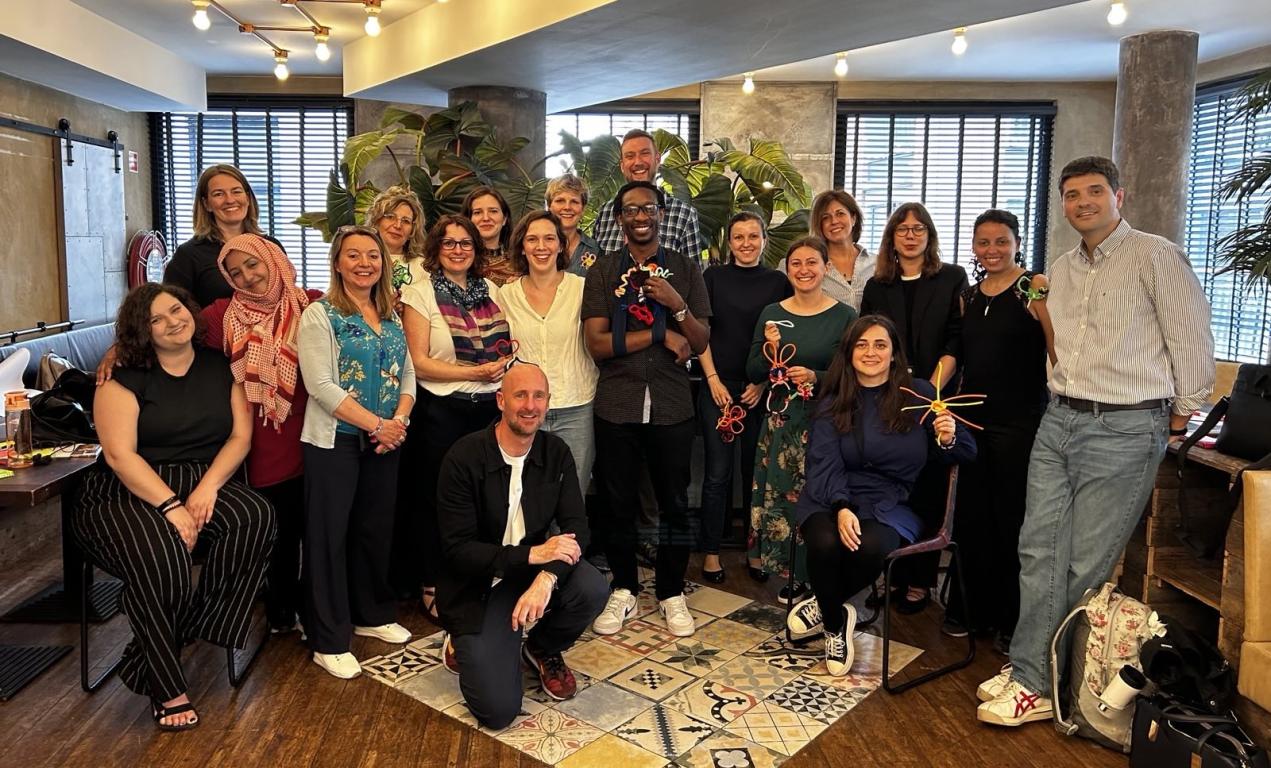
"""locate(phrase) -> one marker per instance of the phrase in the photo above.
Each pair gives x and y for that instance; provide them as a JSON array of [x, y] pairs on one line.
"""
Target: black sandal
[[428, 603], [158, 712]]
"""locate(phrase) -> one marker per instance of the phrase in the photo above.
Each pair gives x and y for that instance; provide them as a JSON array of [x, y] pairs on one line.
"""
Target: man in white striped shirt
[[1135, 358]]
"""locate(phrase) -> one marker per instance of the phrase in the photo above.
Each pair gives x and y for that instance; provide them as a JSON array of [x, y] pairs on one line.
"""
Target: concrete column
[[513, 112], [1151, 141]]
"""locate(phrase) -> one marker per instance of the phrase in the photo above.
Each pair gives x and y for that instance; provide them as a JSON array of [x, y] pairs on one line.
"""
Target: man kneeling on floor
[[501, 494]]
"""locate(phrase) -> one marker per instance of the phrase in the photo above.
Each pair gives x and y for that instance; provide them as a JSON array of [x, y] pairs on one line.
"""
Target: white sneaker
[[389, 633], [678, 619], [989, 689], [617, 610], [840, 651], [805, 620], [1015, 705], [342, 665]]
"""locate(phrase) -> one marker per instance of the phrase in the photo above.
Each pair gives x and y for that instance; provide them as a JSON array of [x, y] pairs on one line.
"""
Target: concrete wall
[[1234, 66], [798, 115], [30, 287]]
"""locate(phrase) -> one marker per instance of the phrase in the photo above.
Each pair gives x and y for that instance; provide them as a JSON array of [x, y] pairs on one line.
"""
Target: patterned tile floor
[[735, 694]]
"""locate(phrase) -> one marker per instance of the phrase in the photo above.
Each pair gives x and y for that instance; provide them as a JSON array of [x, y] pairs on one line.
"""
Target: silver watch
[[403, 418], [683, 313]]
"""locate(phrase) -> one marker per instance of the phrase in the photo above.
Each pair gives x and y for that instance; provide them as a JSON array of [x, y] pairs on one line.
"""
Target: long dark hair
[[887, 268], [840, 400], [505, 232], [134, 344]]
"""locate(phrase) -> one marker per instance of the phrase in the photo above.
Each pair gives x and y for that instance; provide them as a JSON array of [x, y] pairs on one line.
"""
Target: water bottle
[[17, 427]]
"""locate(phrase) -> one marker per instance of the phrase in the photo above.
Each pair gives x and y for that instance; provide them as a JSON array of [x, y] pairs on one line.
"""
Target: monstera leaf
[[455, 131], [766, 166], [523, 196], [781, 236], [315, 220], [714, 204], [360, 150], [409, 121], [341, 203]]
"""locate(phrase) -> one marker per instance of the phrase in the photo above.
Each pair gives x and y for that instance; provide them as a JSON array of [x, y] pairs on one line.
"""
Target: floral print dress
[[783, 439], [371, 363]]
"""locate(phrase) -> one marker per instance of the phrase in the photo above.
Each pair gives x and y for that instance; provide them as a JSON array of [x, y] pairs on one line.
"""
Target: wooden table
[[60, 603]]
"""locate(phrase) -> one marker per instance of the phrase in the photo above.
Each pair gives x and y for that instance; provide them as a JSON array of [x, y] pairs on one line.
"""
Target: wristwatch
[[683, 313], [403, 418]]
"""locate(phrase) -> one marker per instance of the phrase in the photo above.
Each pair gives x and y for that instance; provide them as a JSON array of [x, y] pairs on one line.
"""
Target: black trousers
[[991, 496], [349, 495], [718, 481], [437, 423], [490, 660], [837, 572], [666, 449], [282, 593], [129, 539]]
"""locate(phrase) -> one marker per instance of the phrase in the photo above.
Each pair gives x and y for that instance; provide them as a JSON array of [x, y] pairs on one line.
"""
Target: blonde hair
[[204, 221], [386, 202], [381, 293], [565, 183]]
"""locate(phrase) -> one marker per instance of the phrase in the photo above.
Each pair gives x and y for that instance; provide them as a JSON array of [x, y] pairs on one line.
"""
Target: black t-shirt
[[910, 288], [182, 418], [738, 295], [193, 267]]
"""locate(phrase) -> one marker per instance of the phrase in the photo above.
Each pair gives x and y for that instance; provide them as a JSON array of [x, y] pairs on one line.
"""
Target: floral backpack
[[1108, 632]]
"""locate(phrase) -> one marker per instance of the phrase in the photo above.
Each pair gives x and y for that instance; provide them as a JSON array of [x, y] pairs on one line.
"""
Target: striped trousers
[[130, 540]]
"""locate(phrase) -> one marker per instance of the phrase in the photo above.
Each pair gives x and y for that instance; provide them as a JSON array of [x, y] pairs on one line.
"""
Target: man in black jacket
[[499, 493]]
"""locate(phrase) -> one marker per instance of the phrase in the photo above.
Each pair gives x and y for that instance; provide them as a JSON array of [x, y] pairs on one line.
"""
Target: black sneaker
[[805, 620], [954, 628], [839, 651], [786, 596]]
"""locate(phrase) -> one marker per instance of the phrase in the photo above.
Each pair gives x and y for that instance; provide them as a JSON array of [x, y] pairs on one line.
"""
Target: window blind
[[285, 149], [958, 160], [1220, 146], [616, 119]]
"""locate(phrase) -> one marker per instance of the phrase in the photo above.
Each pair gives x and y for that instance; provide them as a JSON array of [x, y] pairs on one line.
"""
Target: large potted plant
[[1247, 249], [455, 150]]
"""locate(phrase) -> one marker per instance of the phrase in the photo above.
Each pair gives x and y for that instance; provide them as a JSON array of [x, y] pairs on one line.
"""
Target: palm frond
[[1249, 180], [1247, 251], [1257, 96]]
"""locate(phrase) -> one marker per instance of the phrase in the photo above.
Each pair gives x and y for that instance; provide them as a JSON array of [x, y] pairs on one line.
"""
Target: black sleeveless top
[[182, 418], [1003, 357]]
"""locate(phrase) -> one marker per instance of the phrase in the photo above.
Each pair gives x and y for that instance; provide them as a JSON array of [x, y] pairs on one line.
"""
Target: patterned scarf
[[261, 328], [476, 322]]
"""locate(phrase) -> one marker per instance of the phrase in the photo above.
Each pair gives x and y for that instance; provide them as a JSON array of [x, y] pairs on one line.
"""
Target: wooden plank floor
[[290, 713]]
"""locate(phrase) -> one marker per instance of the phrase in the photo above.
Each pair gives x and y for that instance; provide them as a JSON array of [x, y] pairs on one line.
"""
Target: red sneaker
[[557, 679]]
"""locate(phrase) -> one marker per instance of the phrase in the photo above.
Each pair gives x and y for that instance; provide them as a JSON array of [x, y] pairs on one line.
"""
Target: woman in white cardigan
[[356, 364]]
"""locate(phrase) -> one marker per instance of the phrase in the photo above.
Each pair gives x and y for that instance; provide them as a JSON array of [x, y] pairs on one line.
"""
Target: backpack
[[1108, 632]]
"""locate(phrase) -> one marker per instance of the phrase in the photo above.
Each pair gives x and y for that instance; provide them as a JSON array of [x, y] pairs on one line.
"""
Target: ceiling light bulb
[[321, 50], [373, 20], [748, 85], [959, 41], [280, 70], [1117, 13], [840, 66], [201, 20]]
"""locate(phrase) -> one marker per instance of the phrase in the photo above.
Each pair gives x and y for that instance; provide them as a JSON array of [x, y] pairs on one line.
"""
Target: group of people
[[429, 426]]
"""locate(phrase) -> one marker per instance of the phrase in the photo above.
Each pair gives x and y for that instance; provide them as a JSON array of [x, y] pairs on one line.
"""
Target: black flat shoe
[[757, 574], [158, 712], [714, 577]]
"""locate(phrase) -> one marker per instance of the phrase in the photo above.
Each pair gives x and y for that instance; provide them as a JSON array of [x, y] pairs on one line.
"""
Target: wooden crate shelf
[[1199, 578]]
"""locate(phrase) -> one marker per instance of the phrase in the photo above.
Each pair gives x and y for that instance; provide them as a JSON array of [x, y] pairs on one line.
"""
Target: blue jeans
[[718, 480], [1088, 480], [574, 426]]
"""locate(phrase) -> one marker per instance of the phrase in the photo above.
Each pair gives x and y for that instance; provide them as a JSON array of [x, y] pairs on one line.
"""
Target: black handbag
[[1168, 734], [1247, 431], [1204, 509], [60, 416]]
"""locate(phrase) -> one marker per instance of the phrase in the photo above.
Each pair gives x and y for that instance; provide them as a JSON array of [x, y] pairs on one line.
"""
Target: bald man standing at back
[[499, 493]]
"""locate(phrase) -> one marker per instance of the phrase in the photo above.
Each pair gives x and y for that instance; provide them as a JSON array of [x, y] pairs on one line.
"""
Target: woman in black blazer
[[920, 293]]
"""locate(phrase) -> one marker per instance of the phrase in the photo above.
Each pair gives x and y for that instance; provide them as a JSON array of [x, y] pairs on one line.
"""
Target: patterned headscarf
[[261, 329]]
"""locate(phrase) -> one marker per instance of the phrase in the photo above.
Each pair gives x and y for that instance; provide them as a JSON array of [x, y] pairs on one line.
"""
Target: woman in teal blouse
[[355, 362], [813, 323]]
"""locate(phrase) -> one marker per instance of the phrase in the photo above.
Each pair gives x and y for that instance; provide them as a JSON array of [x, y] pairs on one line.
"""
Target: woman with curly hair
[[803, 330], [399, 218], [174, 428]]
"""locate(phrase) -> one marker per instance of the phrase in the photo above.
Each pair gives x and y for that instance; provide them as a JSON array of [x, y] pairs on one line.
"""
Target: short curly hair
[[134, 344], [437, 233]]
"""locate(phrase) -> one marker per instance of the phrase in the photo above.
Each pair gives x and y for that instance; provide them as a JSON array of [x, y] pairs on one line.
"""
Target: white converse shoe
[[989, 689], [1015, 705], [342, 665], [840, 651], [805, 620], [617, 610], [389, 633], [678, 618]]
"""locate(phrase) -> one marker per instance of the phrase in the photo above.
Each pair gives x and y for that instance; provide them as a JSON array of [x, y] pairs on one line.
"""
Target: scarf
[[476, 322], [261, 328]]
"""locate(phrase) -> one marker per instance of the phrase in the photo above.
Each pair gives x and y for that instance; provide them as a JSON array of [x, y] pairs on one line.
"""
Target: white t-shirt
[[514, 530]]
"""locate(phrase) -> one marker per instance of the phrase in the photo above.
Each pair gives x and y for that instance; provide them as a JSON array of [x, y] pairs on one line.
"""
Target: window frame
[[1036, 219], [688, 108]]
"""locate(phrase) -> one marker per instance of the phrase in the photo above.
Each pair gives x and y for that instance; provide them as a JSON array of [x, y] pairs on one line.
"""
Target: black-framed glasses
[[450, 244], [631, 211], [916, 229]]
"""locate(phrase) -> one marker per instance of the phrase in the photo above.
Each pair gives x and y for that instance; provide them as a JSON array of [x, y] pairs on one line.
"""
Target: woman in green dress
[[801, 333]]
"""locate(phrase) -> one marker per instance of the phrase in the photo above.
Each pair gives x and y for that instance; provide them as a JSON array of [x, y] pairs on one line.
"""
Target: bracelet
[[1178, 432], [952, 442], [555, 579], [163, 506], [712, 375], [378, 426]]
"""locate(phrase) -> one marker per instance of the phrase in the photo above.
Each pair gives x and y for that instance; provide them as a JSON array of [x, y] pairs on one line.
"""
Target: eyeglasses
[[392, 218], [631, 211], [450, 244], [916, 229]]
